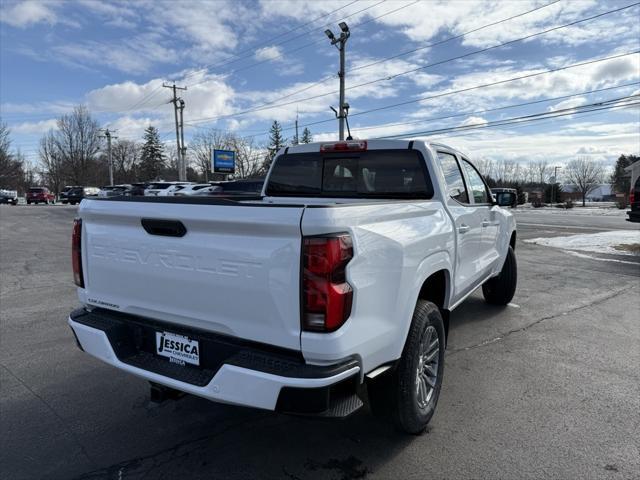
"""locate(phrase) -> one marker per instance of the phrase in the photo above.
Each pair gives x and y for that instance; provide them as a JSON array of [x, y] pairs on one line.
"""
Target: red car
[[40, 195]]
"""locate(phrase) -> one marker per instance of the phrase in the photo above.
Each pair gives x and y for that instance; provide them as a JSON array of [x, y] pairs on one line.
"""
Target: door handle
[[464, 228]]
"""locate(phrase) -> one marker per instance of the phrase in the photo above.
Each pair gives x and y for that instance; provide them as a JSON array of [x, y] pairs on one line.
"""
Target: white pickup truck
[[337, 282]]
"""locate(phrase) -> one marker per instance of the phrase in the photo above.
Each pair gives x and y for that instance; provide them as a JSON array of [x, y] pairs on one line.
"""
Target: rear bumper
[[232, 371]]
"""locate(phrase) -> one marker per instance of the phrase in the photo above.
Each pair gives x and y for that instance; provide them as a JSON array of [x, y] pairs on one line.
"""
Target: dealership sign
[[224, 161]]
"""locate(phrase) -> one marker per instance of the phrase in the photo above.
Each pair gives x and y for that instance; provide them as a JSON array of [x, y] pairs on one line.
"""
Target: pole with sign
[[224, 161]]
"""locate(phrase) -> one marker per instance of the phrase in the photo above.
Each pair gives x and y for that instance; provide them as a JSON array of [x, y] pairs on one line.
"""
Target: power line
[[456, 37], [390, 77], [315, 42], [548, 121], [462, 90], [280, 55], [611, 103], [252, 49], [328, 77], [485, 85], [149, 96], [478, 112]]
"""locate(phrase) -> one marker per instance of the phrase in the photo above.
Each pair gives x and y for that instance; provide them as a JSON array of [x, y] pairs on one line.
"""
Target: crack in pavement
[[503, 336], [170, 454], [65, 423]]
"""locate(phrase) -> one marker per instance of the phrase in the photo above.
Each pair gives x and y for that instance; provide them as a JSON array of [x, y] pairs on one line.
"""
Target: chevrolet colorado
[[334, 284]]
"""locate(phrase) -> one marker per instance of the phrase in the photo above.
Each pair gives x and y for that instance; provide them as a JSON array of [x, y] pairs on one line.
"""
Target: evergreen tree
[[306, 136], [152, 158], [276, 142], [619, 178], [276, 139]]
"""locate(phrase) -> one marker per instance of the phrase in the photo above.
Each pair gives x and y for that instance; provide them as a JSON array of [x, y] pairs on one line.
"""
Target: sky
[[408, 64]]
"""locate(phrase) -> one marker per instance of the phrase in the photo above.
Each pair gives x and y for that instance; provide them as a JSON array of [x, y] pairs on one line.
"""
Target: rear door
[[235, 270], [468, 224]]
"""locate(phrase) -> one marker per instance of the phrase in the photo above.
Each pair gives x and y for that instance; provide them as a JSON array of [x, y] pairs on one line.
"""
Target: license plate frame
[[178, 349]]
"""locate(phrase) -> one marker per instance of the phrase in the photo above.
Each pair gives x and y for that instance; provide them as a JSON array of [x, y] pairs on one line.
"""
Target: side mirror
[[506, 199]]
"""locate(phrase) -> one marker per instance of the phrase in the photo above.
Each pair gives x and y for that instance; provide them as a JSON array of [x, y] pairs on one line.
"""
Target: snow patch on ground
[[609, 212], [603, 242]]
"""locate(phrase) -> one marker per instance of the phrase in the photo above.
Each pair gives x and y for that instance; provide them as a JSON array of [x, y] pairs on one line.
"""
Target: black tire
[[501, 289], [396, 394]]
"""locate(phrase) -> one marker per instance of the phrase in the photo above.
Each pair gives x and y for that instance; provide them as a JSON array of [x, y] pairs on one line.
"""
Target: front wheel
[[411, 392], [501, 289]]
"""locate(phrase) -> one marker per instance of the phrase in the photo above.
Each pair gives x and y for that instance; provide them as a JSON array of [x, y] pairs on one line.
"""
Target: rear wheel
[[501, 289], [410, 393]]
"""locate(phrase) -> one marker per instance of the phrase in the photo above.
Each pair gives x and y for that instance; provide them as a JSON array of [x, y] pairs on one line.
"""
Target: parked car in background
[[196, 188], [211, 190], [75, 195], [164, 189], [40, 195], [242, 187], [137, 189], [9, 196], [62, 196], [115, 190]]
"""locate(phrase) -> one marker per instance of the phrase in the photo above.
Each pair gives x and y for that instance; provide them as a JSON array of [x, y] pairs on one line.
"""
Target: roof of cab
[[372, 144]]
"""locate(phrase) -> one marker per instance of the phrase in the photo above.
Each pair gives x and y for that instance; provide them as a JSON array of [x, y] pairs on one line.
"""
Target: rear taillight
[[76, 252], [632, 198], [326, 294]]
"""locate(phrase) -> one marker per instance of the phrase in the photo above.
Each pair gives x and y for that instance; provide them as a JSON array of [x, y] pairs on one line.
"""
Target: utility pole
[[297, 136], [340, 43], [175, 100], [108, 136], [182, 174]]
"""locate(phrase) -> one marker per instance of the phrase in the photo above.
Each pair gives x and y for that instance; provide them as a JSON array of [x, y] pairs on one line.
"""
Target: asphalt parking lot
[[544, 388]]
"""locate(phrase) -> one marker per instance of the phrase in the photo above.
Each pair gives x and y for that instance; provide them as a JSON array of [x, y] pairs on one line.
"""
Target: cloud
[[34, 128], [135, 55], [268, 53], [473, 121], [30, 12], [569, 103]]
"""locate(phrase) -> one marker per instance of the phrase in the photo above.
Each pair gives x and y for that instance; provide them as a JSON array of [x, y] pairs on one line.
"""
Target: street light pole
[[553, 185], [340, 43]]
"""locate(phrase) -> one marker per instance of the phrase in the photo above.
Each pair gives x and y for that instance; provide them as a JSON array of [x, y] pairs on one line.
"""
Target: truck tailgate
[[235, 271]]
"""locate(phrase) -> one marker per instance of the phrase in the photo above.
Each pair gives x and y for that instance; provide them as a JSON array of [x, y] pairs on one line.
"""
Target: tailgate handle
[[165, 228]]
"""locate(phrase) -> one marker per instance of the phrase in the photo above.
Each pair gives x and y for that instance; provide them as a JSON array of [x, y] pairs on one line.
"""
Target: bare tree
[[585, 174], [540, 167], [125, 155], [11, 165], [486, 166], [248, 156], [52, 165], [77, 140]]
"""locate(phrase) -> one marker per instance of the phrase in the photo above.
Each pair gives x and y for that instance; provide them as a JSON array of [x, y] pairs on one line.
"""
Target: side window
[[476, 185], [453, 177]]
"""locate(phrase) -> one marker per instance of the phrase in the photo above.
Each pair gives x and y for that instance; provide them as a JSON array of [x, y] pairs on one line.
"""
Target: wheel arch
[[435, 284]]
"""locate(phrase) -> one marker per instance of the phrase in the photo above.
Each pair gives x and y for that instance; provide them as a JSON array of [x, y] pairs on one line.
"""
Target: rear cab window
[[368, 174], [456, 187]]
